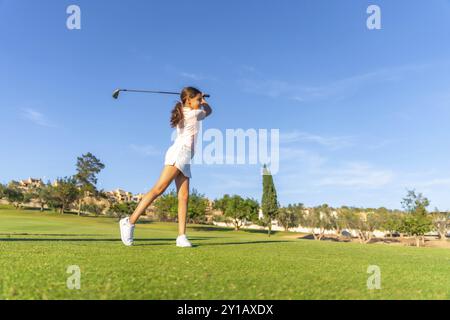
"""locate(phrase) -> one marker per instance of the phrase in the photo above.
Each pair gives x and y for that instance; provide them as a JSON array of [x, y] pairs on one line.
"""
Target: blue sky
[[363, 114]]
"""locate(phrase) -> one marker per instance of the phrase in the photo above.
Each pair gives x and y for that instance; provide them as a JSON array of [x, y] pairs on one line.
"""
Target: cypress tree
[[269, 203]]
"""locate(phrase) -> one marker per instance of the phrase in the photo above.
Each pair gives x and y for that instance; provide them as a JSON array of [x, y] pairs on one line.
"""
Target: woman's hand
[[203, 101], [206, 106]]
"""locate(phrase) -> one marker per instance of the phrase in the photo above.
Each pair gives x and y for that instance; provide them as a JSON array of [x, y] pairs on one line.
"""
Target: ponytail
[[177, 115]]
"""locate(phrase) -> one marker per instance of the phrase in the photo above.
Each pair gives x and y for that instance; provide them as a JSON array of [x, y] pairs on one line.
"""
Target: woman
[[186, 116]]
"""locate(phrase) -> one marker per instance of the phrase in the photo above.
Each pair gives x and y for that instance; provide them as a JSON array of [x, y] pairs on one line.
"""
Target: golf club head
[[116, 93]]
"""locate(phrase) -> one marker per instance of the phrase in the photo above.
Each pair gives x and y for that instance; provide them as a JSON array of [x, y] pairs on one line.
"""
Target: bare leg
[[167, 175], [183, 197]]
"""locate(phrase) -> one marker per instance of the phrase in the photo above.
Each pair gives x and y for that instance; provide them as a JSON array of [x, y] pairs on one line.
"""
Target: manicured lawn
[[37, 248]]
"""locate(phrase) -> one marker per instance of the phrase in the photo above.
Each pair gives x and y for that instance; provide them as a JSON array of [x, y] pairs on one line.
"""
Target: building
[[119, 195], [138, 197], [211, 212], [260, 214], [30, 183]]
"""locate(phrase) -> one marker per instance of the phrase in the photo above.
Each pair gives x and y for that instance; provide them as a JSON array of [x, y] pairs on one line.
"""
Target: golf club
[[117, 92]]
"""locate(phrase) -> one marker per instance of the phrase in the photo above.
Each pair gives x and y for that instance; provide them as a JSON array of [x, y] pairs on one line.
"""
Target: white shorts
[[180, 156]]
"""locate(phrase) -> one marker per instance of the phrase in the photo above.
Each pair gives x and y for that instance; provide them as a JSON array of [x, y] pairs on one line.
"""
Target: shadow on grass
[[46, 210], [222, 243], [260, 231], [89, 239], [145, 222], [217, 228], [52, 235], [209, 228], [385, 240], [36, 209], [236, 243], [333, 239]]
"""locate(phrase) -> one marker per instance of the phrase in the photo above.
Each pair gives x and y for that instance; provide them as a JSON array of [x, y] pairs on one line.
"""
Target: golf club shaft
[[116, 92], [148, 91]]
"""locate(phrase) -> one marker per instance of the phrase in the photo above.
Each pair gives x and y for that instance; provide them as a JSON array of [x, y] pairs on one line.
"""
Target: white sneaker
[[126, 231], [182, 241]]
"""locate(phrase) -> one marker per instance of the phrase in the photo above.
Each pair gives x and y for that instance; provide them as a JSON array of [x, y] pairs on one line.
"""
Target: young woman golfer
[[185, 117]]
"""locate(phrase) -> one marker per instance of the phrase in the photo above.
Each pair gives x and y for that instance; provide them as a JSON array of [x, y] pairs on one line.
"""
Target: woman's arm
[[206, 107]]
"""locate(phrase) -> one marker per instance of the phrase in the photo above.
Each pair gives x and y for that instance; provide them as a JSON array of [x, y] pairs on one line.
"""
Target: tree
[[48, 196], [64, 193], [88, 166], [417, 222], [321, 218], [363, 221], [346, 219], [415, 203], [290, 216], [441, 222], [310, 220], [96, 209], [369, 220], [122, 209], [166, 206], [339, 222], [14, 195], [326, 219], [250, 207], [232, 211], [382, 214], [197, 207], [221, 203], [417, 225], [269, 202], [393, 222], [237, 210], [2, 190], [40, 194]]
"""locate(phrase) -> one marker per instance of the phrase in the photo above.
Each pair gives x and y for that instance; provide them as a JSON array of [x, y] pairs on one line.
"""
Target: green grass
[[36, 249]]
